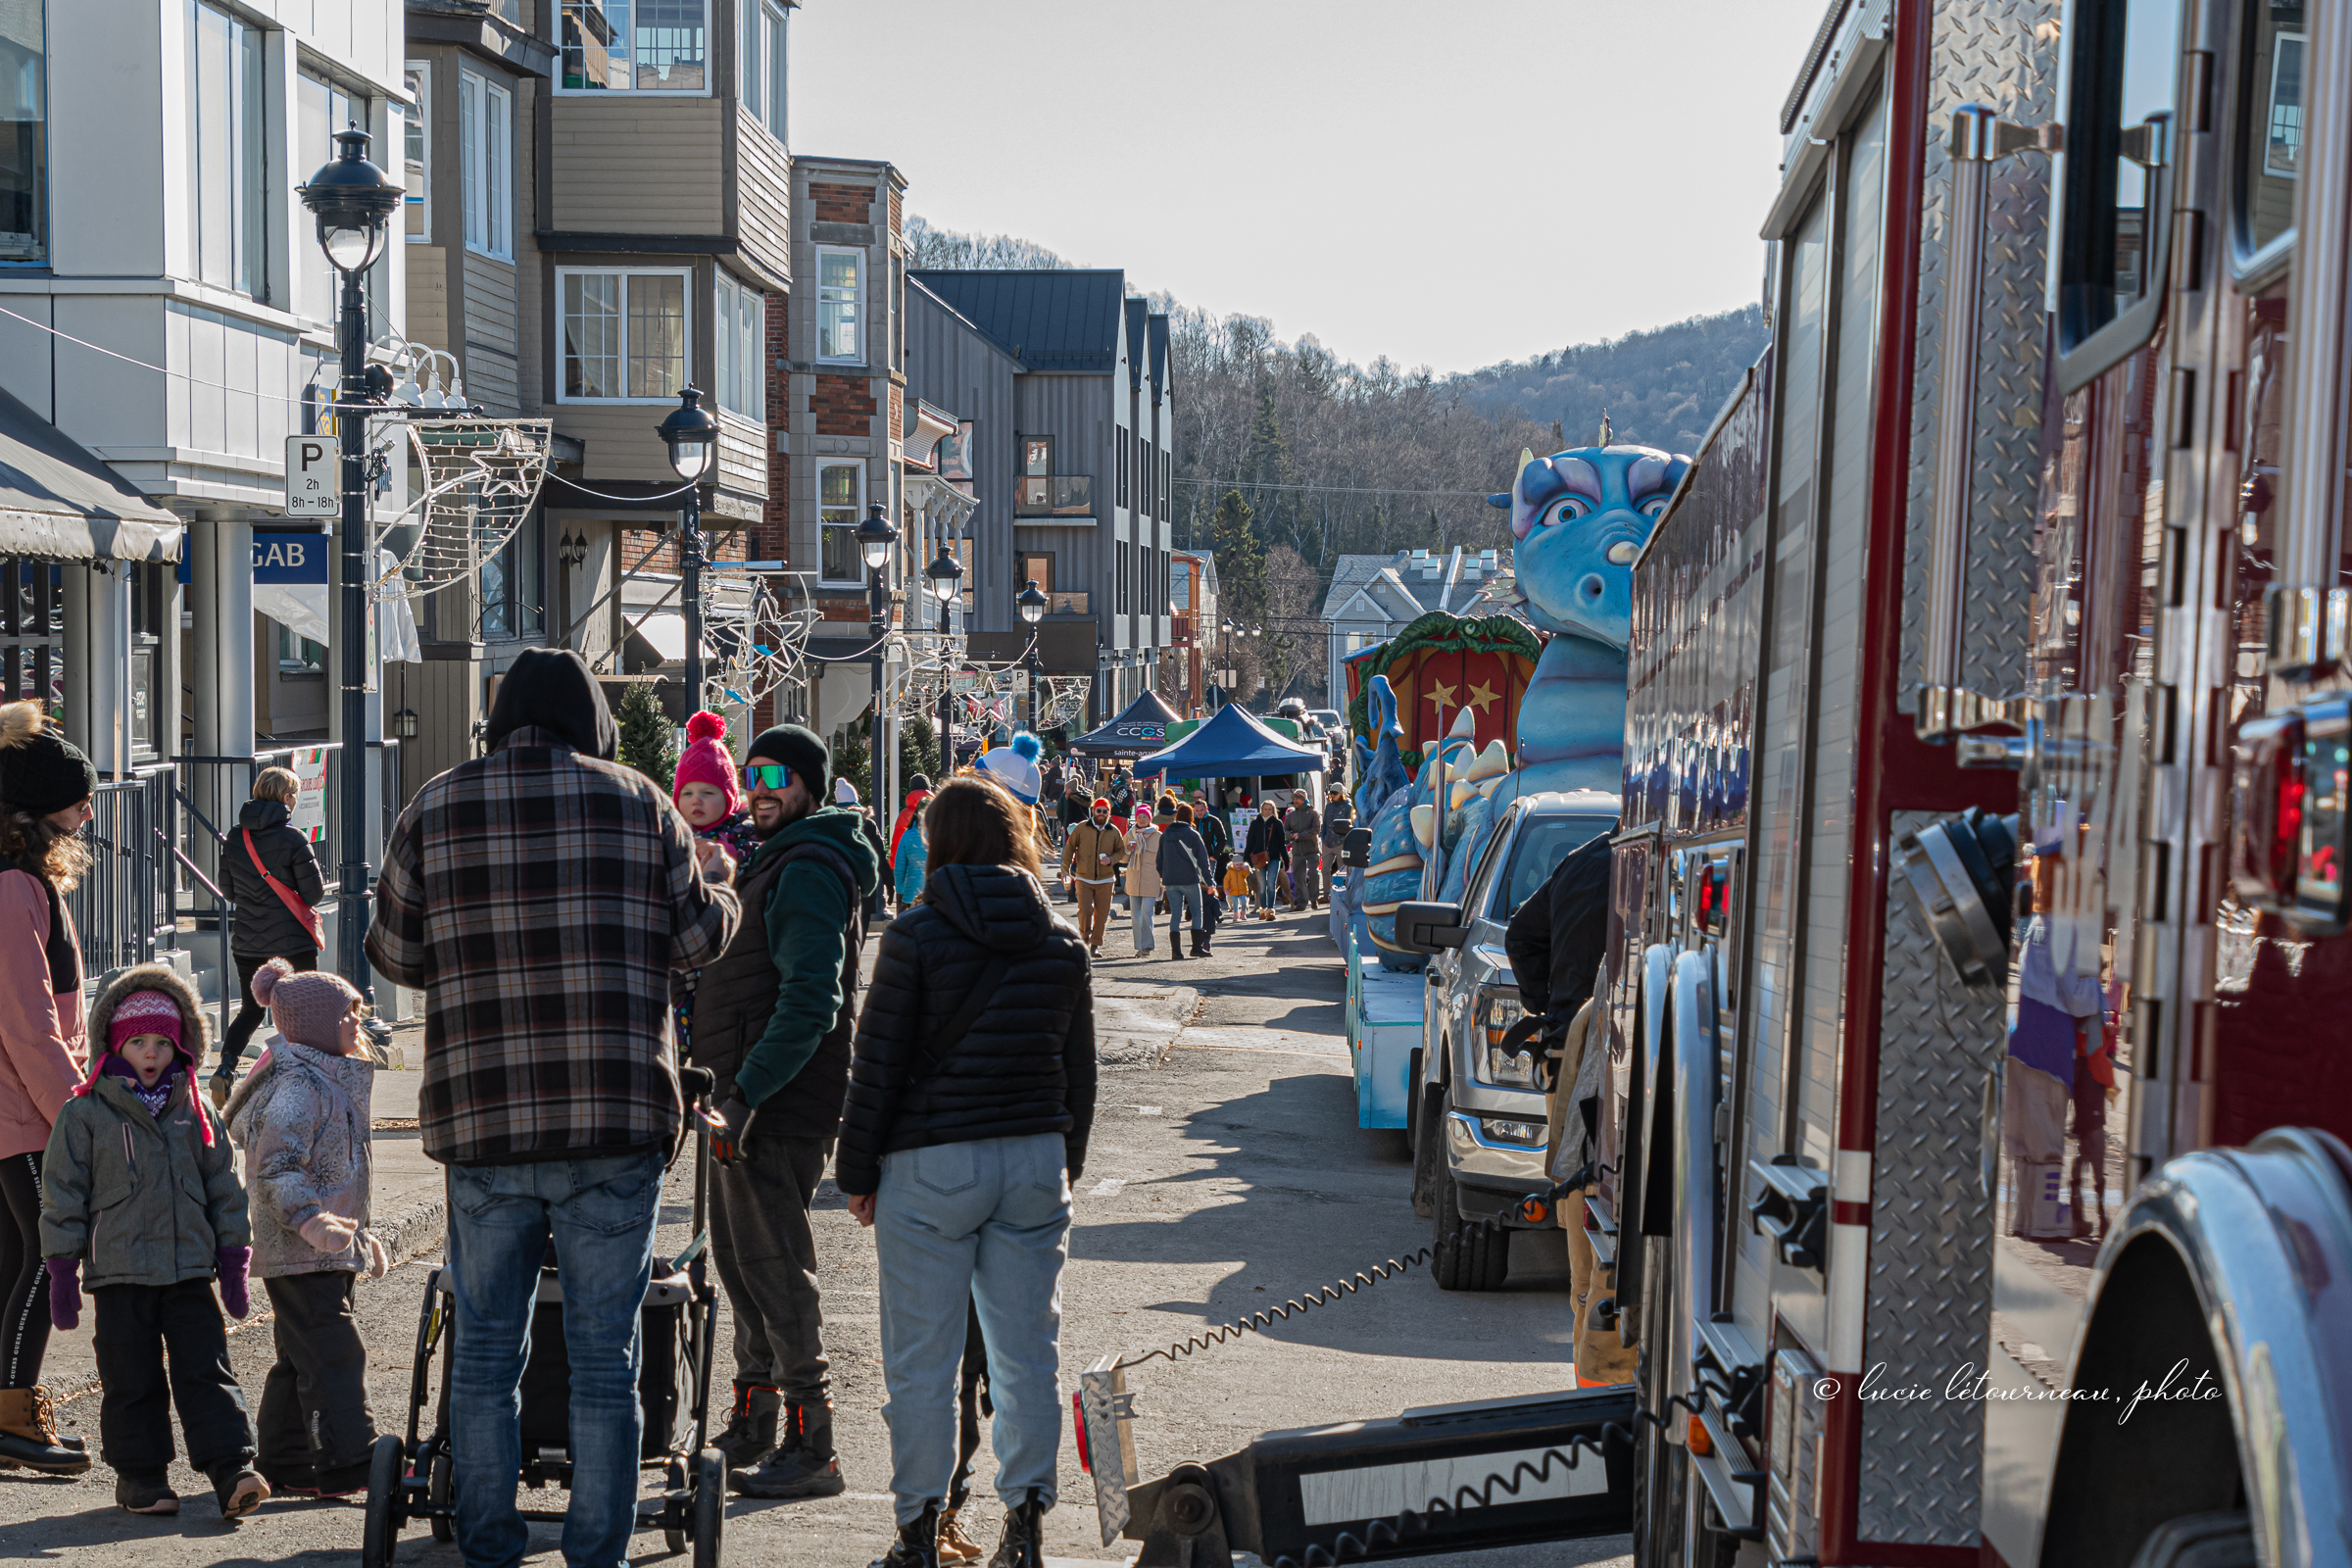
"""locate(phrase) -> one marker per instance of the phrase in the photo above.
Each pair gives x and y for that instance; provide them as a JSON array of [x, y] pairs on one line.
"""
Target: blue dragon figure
[[1578, 517]]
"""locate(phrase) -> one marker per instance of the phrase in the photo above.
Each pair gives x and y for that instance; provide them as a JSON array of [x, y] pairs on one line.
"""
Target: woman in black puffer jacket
[[267, 926], [971, 1095]]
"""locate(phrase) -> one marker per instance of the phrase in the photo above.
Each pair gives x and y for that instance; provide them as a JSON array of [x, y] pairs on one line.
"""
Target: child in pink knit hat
[[709, 791]]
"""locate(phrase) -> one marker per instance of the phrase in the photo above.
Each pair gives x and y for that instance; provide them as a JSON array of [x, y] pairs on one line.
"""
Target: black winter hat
[[552, 689], [40, 770], [800, 750]]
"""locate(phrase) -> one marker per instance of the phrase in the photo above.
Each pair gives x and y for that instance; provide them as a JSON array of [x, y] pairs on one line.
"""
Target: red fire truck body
[[1979, 989]]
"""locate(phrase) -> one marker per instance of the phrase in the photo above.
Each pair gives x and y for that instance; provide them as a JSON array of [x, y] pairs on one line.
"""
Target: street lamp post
[[353, 200], [945, 575], [875, 536], [692, 436], [1033, 611]]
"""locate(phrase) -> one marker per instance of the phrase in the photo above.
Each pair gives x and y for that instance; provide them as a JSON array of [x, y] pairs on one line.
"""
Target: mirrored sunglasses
[[766, 776]]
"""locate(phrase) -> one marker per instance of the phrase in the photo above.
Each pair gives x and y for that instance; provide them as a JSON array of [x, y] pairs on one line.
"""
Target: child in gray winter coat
[[302, 1117], [140, 1204]]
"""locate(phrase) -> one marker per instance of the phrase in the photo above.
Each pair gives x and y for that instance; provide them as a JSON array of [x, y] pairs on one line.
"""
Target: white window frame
[[556, 80], [250, 172], [856, 303], [857, 515], [625, 273], [739, 355], [420, 117], [760, 51], [486, 158]]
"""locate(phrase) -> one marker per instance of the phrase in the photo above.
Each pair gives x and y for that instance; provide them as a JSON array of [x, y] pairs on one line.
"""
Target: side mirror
[[1356, 848], [1430, 927]]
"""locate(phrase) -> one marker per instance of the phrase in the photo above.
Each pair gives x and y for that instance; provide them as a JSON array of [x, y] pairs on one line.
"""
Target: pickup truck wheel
[[1464, 1254]]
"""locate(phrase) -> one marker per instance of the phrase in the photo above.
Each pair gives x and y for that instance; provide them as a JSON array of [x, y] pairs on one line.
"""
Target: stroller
[[412, 1479]]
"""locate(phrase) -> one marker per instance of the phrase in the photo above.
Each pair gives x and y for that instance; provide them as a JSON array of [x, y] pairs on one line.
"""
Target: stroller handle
[[698, 1082]]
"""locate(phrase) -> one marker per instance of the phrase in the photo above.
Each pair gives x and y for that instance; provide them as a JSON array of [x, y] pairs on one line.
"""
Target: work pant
[[1093, 909], [767, 1261], [988, 1222], [601, 1214], [1143, 906], [1306, 864], [24, 1310], [1183, 896], [135, 1327], [314, 1414], [249, 1011], [1601, 1354]]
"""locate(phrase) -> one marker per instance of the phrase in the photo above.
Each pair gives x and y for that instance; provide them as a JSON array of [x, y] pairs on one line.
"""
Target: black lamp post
[[1033, 611], [353, 200], [944, 576], [692, 436], [875, 536]]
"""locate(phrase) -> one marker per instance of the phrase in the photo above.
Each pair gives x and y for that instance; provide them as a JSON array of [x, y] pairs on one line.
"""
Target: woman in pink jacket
[[45, 789]]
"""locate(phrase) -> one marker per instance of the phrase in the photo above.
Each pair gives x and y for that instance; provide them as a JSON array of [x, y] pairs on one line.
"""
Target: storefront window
[[23, 133]]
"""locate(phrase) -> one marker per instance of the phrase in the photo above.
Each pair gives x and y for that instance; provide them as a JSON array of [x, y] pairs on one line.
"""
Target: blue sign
[[291, 558]]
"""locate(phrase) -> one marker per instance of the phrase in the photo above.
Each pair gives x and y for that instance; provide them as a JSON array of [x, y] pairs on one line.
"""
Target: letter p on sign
[[314, 466]]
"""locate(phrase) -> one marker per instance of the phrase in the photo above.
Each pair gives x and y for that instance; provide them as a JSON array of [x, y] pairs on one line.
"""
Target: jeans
[[1182, 895], [989, 1222], [136, 1326], [1143, 907], [767, 1261], [1269, 883], [601, 1212]]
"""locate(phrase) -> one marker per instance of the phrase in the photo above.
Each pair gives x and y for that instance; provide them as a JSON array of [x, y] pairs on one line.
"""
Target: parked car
[[1475, 1114]]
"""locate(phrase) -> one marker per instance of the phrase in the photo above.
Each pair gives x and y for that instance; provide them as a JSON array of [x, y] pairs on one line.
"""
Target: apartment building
[[1068, 385]]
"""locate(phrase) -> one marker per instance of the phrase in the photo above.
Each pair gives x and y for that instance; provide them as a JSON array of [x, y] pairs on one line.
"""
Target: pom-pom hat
[[1015, 768], [707, 761], [143, 1013], [306, 1005]]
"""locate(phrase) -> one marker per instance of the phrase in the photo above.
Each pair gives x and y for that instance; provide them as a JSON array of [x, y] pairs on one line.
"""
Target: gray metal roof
[[1061, 318], [1161, 375], [1137, 310], [1350, 573]]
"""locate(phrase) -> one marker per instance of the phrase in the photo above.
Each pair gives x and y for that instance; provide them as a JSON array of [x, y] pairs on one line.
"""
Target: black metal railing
[[124, 904]]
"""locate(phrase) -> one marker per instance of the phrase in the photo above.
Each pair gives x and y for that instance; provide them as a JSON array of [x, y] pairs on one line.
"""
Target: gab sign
[[313, 466]]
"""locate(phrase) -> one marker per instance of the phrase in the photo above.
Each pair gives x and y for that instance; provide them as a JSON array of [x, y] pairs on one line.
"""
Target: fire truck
[[1979, 988], [1970, 1178]]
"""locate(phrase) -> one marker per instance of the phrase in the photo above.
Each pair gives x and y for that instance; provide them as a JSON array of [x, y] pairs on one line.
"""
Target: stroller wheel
[[676, 1500], [709, 1520], [387, 1500], [442, 1495]]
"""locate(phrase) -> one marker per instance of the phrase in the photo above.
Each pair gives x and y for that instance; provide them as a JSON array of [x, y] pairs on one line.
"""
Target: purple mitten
[[234, 1261], [65, 1291]]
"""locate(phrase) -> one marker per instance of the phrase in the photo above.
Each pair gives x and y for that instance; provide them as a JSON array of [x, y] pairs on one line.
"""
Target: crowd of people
[[575, 934]]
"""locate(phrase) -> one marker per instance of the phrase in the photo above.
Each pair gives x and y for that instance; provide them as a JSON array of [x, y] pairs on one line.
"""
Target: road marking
[[1147, 1110], [1109, 1188]]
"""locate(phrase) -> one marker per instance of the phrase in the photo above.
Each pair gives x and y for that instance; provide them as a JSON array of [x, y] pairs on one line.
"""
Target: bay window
[[838, 272], [760, 63], [624, 335], [634, 45], [228, 164], [840, 506], [739, 334], [417, 152], [24, 134], [486, 161]]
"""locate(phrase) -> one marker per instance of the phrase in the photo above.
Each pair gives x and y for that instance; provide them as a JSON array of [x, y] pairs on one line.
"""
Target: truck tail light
[[2268, 789], [1085, 1454]]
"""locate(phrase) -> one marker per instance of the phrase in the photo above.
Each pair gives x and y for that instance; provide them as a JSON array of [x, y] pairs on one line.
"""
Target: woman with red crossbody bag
[[273, 881]]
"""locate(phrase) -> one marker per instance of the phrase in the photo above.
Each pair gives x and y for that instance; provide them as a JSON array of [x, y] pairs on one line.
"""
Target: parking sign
[[313, 468]]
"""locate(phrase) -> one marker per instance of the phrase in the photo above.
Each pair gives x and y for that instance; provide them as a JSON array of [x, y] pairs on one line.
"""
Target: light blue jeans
[[986, 1222], [601, 1212], [1182, 895], [1142, 917], [1269, 884]]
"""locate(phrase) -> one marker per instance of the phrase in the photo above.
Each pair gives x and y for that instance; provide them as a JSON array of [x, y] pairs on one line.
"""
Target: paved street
[[1227, 1172]]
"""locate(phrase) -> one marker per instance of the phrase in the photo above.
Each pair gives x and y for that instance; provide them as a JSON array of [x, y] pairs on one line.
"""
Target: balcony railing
[[1055, 495]]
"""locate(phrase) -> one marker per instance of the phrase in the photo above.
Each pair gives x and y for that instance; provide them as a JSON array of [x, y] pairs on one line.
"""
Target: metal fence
[[125, 904]]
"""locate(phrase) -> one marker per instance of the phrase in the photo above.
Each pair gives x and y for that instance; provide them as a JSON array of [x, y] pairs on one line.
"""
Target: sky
[[1448, 183]]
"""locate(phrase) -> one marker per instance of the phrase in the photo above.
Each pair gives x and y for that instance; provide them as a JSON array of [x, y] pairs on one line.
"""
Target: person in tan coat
[[1092, 853], [1144, 888]]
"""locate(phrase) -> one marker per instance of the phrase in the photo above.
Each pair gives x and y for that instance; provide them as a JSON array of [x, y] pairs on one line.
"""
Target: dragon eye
[[1655, 507], [1622, 552], [1567, 511]]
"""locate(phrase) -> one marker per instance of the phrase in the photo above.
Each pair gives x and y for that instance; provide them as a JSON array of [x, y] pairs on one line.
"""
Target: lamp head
[[944, 575], [875, 536], [1032, 603], [352, 200], [691, 434]]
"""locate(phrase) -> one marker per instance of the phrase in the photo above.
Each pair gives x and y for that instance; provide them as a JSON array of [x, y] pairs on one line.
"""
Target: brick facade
[[774, 538], [844, 405], [842, 204]]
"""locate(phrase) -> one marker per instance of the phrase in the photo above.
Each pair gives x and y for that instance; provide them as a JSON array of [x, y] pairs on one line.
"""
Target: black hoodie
[[1027, 1062], [552, 689], [265, 928]]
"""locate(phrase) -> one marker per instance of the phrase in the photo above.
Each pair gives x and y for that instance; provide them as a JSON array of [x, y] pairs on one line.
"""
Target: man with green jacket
[[774, 1016]]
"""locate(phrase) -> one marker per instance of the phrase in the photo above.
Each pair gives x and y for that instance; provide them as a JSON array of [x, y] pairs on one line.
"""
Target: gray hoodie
[[302, 1117]]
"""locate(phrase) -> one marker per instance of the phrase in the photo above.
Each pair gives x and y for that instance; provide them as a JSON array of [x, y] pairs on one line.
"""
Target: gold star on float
[[1483, 697], [1441, 693]]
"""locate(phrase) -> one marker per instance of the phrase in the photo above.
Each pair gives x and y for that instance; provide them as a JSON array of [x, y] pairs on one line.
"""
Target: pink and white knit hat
[[144, 1012]]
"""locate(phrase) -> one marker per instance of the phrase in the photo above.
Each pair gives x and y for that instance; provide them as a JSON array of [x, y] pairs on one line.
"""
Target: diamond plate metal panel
[[1929, 1297], [2002, 53]]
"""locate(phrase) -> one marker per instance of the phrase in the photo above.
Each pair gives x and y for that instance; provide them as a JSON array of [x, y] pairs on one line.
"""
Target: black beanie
[[552, 689], [800, 750], [40, 770]]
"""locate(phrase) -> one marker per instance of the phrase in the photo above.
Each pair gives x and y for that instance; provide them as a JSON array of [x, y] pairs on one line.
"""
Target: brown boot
[[29, 1435], [954, 1546]]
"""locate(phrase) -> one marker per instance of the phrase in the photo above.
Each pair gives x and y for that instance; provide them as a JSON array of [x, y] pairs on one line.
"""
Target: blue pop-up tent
[[1231, 745]]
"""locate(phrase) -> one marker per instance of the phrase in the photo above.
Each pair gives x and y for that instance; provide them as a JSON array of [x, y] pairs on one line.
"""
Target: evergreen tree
[[1241, 556], [647, 742], [1266, 462], [849, 755], [918, 752]]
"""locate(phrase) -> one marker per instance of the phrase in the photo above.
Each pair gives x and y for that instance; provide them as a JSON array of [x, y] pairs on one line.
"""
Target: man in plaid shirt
[[540, 896]]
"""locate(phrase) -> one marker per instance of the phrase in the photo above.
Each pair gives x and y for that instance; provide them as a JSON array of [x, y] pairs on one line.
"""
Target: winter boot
[[1023, 1543], [1199, 944], [750, 1435], [146, 1494], [238, 1489], [805, 1466], [917, 1546], [28, 1436], [954, 1546]]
